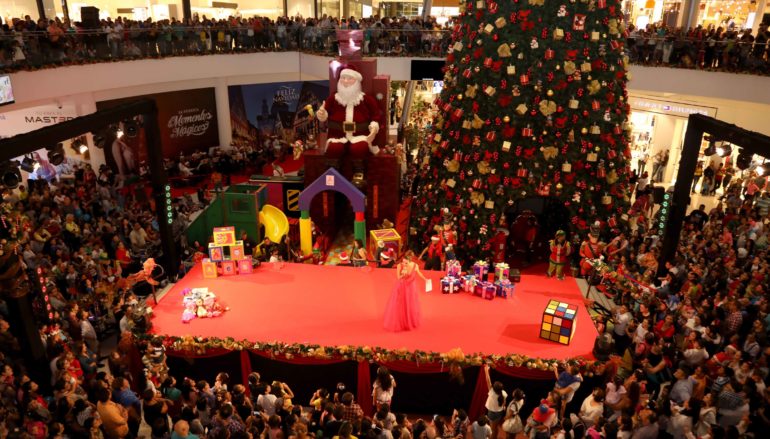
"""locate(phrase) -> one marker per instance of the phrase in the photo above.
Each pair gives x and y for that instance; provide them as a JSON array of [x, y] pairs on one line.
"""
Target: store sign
[[30, 119], [671, 108]]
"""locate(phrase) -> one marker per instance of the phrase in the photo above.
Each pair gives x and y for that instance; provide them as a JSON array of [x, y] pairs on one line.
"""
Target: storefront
[[738, 14], [641, 13], [658, 126]]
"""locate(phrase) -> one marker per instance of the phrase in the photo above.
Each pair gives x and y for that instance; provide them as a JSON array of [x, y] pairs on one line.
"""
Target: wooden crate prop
[[390, 237], [559, 322], [209, 269]]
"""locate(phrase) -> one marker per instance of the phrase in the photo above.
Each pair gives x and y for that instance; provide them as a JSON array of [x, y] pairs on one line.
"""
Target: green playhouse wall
[[238, 206]]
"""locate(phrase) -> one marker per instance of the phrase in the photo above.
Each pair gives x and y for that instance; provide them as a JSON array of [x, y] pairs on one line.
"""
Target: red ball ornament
[[585, 113], [495, 37]]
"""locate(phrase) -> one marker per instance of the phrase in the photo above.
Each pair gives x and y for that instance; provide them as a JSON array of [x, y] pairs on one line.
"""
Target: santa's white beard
[[349, 95]]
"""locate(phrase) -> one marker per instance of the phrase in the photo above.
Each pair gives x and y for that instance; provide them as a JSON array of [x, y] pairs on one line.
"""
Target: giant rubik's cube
[[559, 321]]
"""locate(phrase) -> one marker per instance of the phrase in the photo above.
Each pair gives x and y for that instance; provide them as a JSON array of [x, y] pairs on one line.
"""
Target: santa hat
[[352, 72], [387, 254], [344, 257], [435, 238]]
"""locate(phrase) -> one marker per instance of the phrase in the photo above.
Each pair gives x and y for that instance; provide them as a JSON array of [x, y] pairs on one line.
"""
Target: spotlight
[[79, 146], [761, 169], [100, 140], [11, 176], [131, 127], [119, 133], [28, 164], [725, 150], [743, 161], [712, 148], [56, 154]]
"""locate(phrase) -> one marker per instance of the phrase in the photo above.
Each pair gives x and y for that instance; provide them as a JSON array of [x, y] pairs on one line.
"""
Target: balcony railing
[[35, 50]]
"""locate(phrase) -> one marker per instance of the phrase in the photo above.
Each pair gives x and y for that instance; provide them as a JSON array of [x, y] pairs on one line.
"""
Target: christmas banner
[[188, 123], [534, 105]]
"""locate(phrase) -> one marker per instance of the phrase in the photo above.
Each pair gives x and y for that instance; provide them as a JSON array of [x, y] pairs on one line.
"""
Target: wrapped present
[[504, 288], [515, 275], [468, 283], [480, 269], [502, 271], [224, 235], [488, 290], [453, 268], [450, 285]]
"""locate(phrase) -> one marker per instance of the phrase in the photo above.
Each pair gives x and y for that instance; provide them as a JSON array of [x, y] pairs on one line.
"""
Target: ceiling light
[[725, 150]]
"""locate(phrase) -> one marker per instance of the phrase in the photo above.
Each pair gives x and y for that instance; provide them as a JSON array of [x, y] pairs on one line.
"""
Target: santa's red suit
[[349, 126], [590, 249]]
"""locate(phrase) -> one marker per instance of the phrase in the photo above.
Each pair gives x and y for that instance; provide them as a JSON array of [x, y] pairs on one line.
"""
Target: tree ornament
[[549, 92], [506, 119]]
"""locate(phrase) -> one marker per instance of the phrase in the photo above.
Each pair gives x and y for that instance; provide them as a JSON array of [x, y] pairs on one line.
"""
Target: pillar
[[223, 113]]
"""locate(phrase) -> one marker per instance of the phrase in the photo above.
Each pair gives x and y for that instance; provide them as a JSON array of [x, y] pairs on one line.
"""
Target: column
[[223, 113], [691, 13], [186, 9], [426, 7], [761, 7]]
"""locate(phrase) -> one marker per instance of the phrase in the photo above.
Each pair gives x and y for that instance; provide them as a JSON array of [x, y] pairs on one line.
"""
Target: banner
[[260, 114], [187, 120], [30, 119]]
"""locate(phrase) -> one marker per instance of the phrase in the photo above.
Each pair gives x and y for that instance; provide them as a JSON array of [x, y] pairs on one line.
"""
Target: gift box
[[228, 268], [209, 269], [450, 285], [468, 283], [488, 290], [245, 267], [453, 268], [504, 288], [515, 276], [502, 271], [224, 235], [480, 269], [390, 237], [216, 252]]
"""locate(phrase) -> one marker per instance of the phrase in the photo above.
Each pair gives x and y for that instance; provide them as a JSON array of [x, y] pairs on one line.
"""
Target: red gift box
[[524, 79], [521, 172], [245, 267], [549, 54], [491, 135], [526, 131], [595, 105], [488, 290]]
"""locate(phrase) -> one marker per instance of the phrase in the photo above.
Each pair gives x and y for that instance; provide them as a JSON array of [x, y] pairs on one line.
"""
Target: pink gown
[[402, 313]]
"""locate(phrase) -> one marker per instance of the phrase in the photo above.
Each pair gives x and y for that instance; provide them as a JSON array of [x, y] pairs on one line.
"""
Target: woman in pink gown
[[402, 312]]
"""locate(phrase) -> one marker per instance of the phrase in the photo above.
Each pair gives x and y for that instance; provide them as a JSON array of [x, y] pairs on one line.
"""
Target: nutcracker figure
[[591, 248], [560, 251]]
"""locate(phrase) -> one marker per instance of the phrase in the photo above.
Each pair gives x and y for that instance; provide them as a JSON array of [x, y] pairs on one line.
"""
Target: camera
[[340, 387]]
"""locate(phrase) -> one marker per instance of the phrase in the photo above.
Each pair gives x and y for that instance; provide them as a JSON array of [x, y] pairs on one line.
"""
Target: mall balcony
[[67, 77]]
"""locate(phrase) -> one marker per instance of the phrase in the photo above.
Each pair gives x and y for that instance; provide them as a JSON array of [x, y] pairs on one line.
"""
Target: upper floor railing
[[31, 50]]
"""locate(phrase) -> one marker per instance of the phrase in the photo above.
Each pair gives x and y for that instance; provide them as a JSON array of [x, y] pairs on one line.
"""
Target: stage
[[336, 306]]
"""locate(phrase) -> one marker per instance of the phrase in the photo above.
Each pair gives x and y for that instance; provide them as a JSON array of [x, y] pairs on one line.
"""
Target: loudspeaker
[[89, 17]]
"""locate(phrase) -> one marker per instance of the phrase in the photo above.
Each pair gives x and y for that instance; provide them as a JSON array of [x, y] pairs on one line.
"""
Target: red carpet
[[335, 306]]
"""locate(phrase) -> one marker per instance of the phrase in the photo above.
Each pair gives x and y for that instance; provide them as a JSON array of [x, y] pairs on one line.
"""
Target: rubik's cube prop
[[226, 255], [559, 321]]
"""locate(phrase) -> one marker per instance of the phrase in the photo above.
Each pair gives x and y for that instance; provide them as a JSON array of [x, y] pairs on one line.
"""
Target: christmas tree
[[534, 104]]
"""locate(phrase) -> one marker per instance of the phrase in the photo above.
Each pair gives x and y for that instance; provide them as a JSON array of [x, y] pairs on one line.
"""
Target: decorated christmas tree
[[534, 104]]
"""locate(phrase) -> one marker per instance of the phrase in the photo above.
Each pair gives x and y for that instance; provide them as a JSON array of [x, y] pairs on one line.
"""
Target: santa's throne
[[375, 174]]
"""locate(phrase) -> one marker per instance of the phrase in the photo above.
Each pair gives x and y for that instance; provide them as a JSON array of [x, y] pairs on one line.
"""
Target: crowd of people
[[25, 43], [685, 350], [724, 49]]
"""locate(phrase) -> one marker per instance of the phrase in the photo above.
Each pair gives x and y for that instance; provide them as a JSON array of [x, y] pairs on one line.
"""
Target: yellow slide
[[275, 222]]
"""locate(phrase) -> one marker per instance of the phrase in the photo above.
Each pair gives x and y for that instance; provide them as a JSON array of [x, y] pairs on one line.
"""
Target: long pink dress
[[402, 313]]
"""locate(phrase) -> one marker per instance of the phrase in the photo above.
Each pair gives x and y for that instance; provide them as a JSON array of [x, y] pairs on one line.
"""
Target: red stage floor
[[334, 306]]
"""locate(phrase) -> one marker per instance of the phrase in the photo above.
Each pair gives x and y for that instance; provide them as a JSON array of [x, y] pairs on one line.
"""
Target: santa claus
[[353, 118]]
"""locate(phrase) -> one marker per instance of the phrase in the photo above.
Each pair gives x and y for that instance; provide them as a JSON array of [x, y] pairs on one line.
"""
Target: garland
[[192, 345]]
